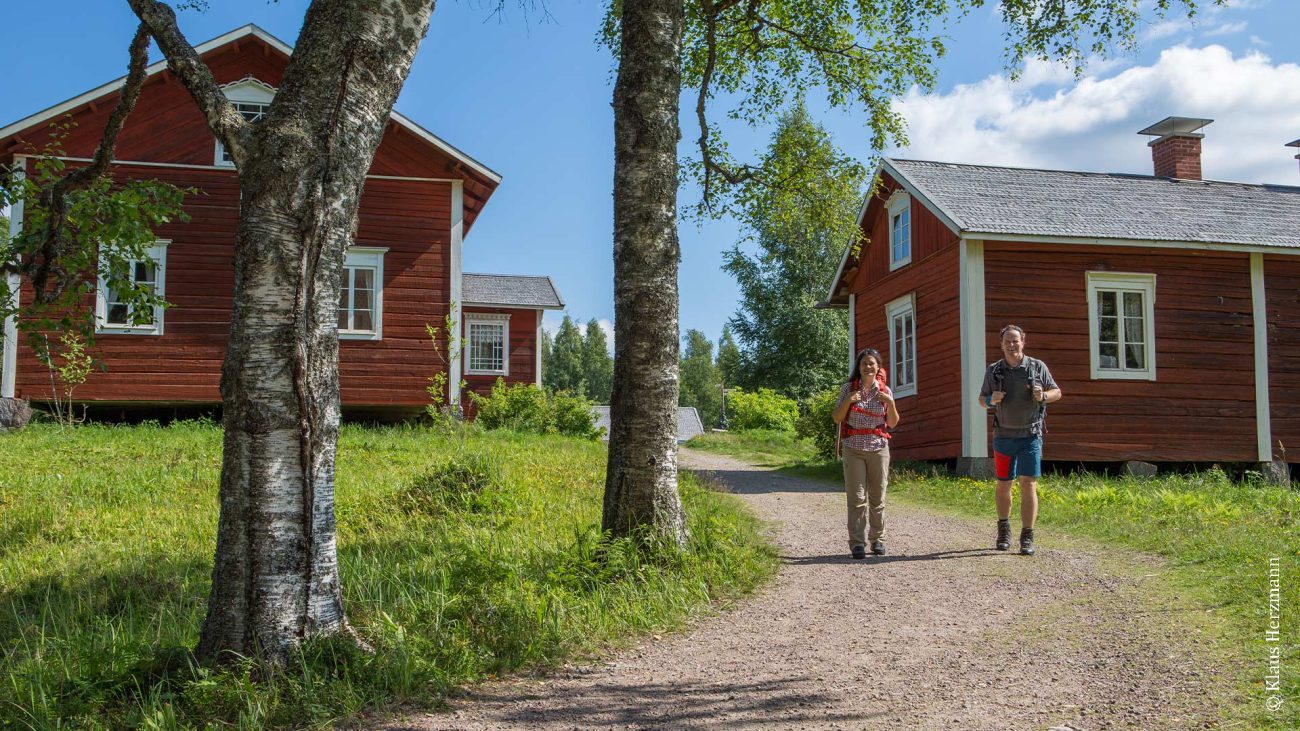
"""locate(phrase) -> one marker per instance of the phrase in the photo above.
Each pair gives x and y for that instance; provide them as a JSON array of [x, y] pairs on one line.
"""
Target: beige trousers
[[866, 477]]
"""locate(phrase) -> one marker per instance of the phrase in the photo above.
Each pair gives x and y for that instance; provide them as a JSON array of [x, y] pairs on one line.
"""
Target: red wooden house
[[1167, 306], [421, 198]]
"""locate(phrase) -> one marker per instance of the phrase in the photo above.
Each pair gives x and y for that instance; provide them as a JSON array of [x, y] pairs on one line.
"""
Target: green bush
[[762, 409], [816, 424], [523, 407]]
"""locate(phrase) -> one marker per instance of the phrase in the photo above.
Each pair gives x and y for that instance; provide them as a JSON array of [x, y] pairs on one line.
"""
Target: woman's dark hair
[[856, 373]]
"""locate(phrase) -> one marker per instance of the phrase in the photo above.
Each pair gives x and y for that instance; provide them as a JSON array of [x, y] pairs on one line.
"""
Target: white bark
[[275, 580], [641, 482]]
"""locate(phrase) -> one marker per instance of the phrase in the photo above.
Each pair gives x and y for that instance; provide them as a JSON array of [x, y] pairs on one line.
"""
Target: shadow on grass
[[722, 703], [87, 641]]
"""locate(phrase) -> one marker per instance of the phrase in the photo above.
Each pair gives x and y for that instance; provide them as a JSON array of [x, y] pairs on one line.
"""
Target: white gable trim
[[219, 41], [915, 191]]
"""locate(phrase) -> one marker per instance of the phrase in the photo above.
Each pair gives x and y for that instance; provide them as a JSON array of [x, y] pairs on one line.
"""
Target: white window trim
[[157, 252], [898, 203], [372, 257], [906, 303], [1144, 283], [488, 318], [247, 91]]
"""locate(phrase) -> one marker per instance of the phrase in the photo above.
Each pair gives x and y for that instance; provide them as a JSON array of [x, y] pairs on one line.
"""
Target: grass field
[[462, 557], [1218, 536]]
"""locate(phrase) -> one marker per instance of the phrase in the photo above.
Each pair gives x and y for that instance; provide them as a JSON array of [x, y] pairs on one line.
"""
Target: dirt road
[[942, 633]]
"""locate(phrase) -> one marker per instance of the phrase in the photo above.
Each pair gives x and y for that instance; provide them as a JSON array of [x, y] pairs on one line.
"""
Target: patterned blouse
[[875, 417]]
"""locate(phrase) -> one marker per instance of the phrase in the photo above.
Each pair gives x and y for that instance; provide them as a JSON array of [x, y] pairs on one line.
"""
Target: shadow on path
[[837, 558], [795, 700]]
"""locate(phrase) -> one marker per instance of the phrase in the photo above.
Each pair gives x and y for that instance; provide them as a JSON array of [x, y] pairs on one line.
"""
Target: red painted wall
[[1282, 287], [1201, 407], [930, 426], [521, 352]]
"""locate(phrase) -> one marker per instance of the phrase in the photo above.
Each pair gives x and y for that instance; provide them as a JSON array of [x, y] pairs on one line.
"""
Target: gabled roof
[[218, 42], [987, 201], [983, 199], [510, 290]]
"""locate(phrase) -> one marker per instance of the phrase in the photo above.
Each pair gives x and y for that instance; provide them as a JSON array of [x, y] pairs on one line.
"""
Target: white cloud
[[1224, 29], [1166, 28], [1091, 124], [1257, 41]]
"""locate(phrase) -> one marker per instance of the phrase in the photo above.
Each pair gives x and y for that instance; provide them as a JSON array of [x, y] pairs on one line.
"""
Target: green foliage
[[728, 358], [106, 226], [440, 411], [792, 239], [700, 381], [816, 423], [597, 364], [462, 560], [69, 366], [523, 407], [758, 446], [761, 409], [564, 372]]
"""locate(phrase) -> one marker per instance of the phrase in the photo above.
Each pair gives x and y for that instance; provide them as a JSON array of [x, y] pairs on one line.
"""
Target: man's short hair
[[1009, 328]]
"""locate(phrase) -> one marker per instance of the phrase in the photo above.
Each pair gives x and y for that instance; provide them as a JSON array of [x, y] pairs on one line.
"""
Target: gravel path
[[943, 633]]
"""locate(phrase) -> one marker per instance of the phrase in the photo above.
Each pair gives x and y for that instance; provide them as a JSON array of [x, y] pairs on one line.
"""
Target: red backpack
[[845, 430]]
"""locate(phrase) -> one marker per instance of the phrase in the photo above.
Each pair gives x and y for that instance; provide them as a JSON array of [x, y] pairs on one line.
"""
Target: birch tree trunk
[[641, 481], [275, 582]]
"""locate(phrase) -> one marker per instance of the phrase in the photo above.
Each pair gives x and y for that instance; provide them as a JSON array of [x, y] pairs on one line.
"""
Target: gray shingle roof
[[998, 200], [510, 290], [688, 421]]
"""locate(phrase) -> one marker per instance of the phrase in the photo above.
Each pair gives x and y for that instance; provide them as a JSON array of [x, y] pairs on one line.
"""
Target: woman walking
[[864, 411]]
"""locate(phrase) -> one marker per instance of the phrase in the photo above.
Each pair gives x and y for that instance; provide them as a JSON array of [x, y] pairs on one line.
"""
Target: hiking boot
[[1004, 535], [859, 552], [878, 547], [1026, 541]]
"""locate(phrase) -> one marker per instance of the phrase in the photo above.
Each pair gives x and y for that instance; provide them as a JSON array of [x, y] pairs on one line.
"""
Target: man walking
[[1017, 389]]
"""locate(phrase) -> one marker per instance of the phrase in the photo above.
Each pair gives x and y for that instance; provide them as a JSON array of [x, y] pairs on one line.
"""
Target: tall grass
[[1217, 533], [462, 557]]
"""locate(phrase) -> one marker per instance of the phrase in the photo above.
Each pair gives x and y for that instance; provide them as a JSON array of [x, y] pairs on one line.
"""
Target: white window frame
[[905, 305], [245, 91], [158, 253], [1122, 282], [899, 204], [487, 318], [366, 257]]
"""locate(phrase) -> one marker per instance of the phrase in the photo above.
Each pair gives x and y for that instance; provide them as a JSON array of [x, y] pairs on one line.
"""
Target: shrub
[[524, 407], [518, 407], [573, 415], [762, 409], [461, 482], [816, 425]]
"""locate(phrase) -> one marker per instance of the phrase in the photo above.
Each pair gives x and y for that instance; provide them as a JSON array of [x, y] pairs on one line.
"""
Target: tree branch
[[226, 123], [54, 199], [712, 11]]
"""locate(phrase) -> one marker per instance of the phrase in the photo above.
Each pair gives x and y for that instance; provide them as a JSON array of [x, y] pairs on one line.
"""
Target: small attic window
[[252, 99]]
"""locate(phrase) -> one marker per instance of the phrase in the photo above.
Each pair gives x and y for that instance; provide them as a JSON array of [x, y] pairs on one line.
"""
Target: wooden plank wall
[[1282, 285], [1202, 405], [930, 426], [183, 365], [522, 352]]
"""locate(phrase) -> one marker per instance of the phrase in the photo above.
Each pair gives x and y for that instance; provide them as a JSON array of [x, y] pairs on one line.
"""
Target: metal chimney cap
[[1177, 126]]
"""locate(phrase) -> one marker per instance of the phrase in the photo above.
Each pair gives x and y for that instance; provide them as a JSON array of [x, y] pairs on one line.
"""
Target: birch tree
[[275, 582], [760, 55]]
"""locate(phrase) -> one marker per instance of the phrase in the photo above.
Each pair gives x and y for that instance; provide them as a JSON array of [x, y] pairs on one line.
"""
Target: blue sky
[[531, 99]]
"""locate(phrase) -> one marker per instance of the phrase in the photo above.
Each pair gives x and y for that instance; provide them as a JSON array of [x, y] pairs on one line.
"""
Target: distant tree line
[[578, 363]]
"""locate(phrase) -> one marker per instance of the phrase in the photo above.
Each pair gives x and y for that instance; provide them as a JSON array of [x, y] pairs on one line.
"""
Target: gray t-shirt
[[1018, 414]]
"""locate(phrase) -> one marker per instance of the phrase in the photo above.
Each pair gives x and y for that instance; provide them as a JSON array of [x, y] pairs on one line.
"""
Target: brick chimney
[[1294, 144], [1176, 150]]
